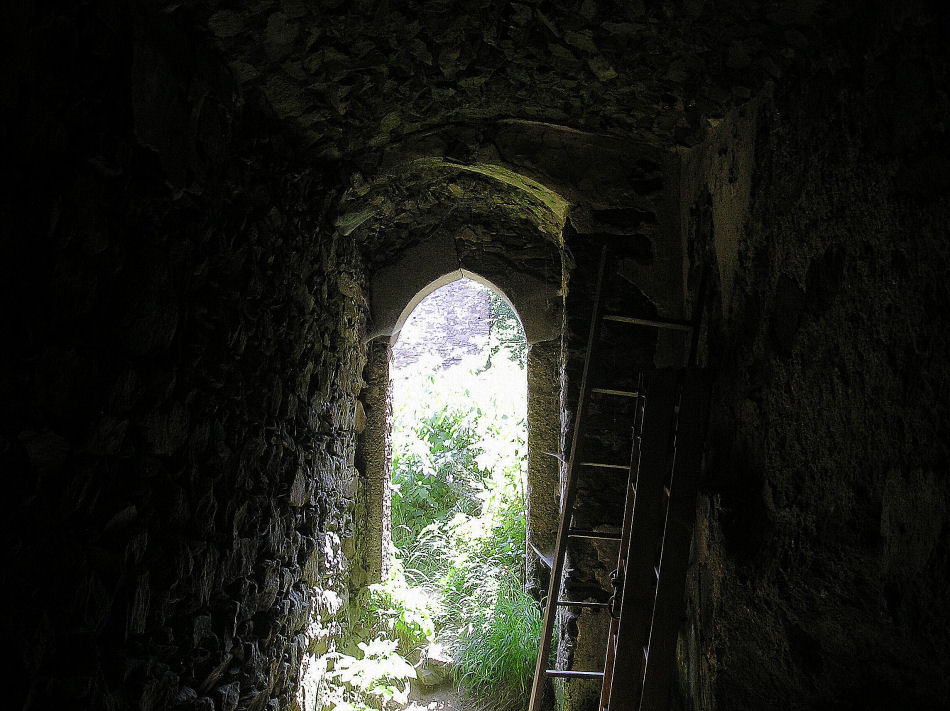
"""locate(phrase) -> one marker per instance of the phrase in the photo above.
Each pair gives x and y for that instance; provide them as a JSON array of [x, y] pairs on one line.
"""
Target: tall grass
[[499, 645]]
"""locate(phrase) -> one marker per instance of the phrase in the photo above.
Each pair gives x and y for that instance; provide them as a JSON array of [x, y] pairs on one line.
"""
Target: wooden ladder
[[656, 532]]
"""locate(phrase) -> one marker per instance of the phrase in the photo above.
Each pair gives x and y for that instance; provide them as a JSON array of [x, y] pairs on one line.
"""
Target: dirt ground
[[443, 698], [447, 698]]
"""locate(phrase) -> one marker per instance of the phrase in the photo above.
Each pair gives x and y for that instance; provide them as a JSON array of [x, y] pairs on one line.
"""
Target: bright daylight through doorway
[[452, 626]]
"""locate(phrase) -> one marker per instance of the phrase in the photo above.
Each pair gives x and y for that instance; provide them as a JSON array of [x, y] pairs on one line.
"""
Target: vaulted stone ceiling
[[512, 116], [431, 197], [356, 75]]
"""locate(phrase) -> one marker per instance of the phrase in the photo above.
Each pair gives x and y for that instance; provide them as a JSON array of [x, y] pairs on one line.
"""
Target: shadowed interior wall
[[179, 377], [821, 567], [543, 483]]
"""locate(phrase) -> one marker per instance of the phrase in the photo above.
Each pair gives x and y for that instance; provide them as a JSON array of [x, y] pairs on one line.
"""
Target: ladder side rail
[[629, 496], [677, 539], [645, 530], [567, 502], [632, 475]]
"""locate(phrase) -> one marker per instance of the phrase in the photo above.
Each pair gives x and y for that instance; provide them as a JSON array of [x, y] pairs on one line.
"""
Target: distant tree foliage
[[506, 332]]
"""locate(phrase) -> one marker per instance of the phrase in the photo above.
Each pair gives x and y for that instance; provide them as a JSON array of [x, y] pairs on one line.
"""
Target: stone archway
[[538, 301]]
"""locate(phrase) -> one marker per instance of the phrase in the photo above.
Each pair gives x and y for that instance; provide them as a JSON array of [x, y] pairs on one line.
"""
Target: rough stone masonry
[[199, 197]]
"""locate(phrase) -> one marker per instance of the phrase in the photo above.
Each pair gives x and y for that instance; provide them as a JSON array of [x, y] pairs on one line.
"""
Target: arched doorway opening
[[458, 499], [537, 295], [530, 280], [535, 478]]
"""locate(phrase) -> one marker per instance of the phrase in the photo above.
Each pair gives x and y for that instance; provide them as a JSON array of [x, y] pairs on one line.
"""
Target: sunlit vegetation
[[458, 523]]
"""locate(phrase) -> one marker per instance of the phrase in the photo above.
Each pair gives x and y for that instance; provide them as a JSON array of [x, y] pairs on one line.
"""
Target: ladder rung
[[546, 558], [675, 324], [570, 674], [618, 393], [579, 603], [605, 465], [587, 533]]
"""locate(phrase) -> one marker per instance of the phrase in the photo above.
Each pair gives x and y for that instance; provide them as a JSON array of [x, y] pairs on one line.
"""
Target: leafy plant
[[434, 465], [398, 612], [375, 679], [459, 515], [392, 628]]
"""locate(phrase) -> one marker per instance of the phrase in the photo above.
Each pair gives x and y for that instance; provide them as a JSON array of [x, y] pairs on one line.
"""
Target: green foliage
[[459, 516], [500, 644], [376, 679], [434, 463], [496, 625], [393, 626], [506, 334], [455, 436], [396, 611]]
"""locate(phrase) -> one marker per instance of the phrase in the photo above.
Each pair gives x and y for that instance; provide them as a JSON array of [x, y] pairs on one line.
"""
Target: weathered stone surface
[[376, 75], [374, 460], [196, 430], [458, 313], [197, 197], [544, 468], [835, 416]]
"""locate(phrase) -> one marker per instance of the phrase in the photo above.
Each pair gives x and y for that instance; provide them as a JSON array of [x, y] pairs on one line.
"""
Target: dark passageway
[[214, 214]]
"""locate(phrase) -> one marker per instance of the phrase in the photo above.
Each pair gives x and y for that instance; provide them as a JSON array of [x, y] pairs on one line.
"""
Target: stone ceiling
[[431, 196], [355, 75], [418, 98]]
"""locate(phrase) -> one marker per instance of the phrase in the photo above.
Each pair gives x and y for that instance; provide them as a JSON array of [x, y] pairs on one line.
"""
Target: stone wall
[[179, 376], [458, 313], [821, 570], [184, 318], [640, 279], [375, 462]]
